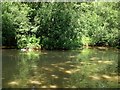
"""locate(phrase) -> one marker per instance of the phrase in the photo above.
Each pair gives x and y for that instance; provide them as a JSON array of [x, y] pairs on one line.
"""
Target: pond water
[[86, 68]]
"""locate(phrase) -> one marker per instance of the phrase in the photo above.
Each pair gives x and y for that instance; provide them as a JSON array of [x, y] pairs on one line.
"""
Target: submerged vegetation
[[60, 25]]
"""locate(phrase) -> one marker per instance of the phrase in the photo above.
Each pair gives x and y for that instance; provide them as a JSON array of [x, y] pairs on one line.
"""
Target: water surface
[[87, 68]]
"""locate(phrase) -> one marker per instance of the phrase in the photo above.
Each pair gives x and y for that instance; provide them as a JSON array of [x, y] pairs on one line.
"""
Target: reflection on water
[[87, 68]]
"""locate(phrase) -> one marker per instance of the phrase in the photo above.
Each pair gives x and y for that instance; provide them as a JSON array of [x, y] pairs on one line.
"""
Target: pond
[[86, 68]]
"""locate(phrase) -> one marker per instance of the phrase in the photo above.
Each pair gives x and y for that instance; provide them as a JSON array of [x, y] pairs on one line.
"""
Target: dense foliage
[[60, 25]]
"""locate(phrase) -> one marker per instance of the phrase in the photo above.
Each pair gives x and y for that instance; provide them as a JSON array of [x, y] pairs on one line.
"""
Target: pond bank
[[98, 47]]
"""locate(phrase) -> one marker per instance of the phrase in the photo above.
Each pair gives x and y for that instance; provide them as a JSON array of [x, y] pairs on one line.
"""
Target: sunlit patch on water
[[53, 86], [72, 71], [94, 58], [76, 70], [47, 69], [55, 76], [44, 87], [105, 62], [86, 63], [72, 56], [82, 62], [53, 64], [68, 62], [34, 82], [65, 78], [68, 72], [13, 83], [110, 78], [102, 48], [34, 66], [104, 77], [61, 68], [72, 65], [44, 53], [95, 77], [56, 66]]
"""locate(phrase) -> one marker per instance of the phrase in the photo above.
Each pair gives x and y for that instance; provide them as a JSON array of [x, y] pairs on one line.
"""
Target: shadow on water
[[60, 69]]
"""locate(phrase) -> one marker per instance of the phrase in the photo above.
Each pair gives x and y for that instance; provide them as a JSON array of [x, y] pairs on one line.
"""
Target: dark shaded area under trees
[[60, 25]]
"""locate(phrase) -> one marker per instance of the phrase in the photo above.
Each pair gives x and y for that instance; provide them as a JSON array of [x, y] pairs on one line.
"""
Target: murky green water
[[87, 68]]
